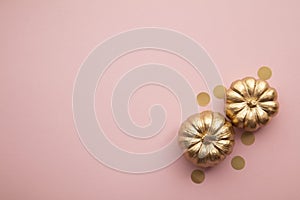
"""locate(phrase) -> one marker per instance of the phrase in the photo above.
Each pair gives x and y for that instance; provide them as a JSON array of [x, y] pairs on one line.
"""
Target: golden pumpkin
[[206, 138], [251, 103]]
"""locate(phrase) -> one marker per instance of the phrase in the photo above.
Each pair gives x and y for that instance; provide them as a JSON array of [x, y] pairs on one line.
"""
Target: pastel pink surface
[[42, 48]]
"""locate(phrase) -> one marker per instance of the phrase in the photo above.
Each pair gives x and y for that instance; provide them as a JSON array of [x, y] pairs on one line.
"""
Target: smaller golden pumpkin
[[206, 138], [251, 103]]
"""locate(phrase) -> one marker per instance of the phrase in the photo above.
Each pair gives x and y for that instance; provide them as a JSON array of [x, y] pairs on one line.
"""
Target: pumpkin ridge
[[246, 87], [237, 91]]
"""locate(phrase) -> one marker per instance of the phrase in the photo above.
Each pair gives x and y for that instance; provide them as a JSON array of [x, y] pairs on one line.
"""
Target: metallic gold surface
[[206, 138], [251, 103]]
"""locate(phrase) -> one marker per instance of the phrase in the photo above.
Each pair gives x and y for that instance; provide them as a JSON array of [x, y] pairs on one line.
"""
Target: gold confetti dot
[[264, 73], [247, 138], [197, 176], [238, 162], [219, 91], [203, 99]]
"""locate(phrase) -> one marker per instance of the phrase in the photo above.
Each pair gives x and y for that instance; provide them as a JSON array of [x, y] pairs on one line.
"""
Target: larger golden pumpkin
[[206, 138], [251, 103]]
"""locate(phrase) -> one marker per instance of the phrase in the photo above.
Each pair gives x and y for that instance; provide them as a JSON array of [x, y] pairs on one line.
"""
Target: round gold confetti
[[197, 176], [238, 162], [203, 99], [264, 73], [247, 138], [219, 91]]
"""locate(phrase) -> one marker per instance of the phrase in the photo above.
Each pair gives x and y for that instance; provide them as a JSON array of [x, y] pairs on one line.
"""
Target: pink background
[[42, 47]]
